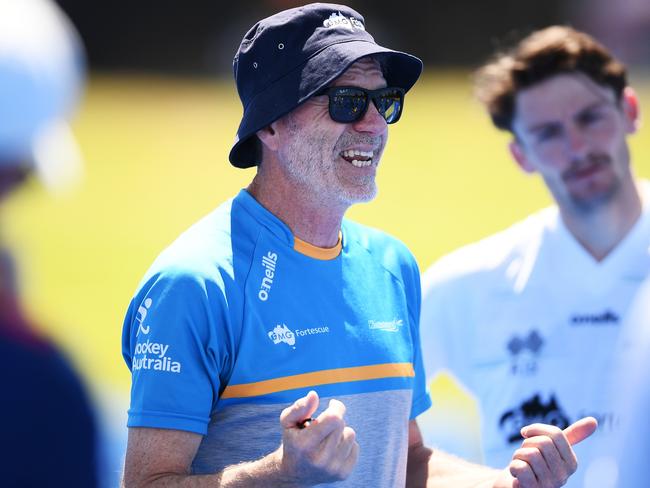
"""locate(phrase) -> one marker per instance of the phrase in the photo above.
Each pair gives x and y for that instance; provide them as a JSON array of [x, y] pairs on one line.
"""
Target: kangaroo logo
[[142, 314]]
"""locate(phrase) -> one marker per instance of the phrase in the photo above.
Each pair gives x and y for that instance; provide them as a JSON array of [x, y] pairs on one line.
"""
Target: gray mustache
[[374, 141]]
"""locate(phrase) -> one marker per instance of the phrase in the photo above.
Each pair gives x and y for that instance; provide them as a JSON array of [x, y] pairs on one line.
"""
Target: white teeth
[[351, 153], [356, 152], [361, 164]]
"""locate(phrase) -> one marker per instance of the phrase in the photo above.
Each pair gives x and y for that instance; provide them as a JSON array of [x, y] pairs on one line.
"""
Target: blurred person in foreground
[[47, 427], [276, 343], [528, 319]]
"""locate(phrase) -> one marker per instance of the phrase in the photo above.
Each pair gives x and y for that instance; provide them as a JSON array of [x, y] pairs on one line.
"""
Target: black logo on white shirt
[[524, 352], [529, 412], [606, 318]]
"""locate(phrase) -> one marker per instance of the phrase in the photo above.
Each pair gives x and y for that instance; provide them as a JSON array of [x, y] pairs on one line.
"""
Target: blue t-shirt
[[48, 427], [232, 324]]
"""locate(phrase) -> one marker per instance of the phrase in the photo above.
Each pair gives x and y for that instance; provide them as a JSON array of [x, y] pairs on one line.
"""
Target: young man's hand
[[546, 459]]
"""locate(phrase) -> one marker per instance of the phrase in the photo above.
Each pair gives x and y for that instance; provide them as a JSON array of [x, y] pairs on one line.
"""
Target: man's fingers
[[302, 409], [549, 438], [351, 459], [522, 472], [327, 448], [335, 407], [347, 442], [537, 462], [576, 432], [580, 430], [553, 446], [330, 421]]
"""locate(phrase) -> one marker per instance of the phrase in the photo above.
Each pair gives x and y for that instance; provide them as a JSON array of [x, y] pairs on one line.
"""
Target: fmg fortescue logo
[[282, 333]]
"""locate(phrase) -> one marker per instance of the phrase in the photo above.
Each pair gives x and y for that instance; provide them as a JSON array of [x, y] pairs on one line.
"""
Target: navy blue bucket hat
[[288, 57]]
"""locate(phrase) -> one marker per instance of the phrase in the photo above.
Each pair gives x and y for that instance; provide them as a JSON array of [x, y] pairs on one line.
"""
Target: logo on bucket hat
[[292, 55], [338, 20]]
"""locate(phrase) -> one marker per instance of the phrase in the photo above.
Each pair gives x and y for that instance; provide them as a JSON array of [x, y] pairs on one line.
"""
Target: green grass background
[[156, 160]]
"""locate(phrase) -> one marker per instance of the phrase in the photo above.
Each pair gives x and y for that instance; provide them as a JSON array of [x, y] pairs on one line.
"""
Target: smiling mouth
[[358, 158]]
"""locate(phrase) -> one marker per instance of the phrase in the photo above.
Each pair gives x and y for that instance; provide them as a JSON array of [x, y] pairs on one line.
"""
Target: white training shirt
[[529, 323], [631, 395]]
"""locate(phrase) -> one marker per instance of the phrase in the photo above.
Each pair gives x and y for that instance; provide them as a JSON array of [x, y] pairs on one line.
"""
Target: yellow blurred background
[[155, 153]]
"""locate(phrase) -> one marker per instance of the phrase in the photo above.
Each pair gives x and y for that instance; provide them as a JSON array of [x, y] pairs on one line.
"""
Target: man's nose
[[372, 121], [576, 142]]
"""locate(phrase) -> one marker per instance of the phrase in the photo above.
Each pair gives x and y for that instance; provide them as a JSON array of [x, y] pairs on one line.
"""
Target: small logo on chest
[[524, 353], [282, 333], [606, 318], [387, 326]]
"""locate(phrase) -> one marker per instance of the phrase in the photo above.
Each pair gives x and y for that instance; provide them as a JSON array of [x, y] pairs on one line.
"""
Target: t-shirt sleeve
[[421, 397], [175, 342]]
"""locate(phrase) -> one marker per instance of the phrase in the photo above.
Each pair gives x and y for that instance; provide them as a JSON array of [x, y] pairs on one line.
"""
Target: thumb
[[580, 430], [302, 409]]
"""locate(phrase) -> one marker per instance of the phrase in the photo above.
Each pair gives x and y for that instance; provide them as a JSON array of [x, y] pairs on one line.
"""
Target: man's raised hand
[[325, 450]]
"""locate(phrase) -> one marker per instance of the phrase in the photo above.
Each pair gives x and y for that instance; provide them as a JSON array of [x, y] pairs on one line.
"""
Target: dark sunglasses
[[349, 103]]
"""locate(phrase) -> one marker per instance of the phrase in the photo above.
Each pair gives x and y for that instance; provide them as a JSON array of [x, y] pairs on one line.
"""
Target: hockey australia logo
[[339, 20], [141, 315], [532, 411], [151, 355], [524, 353], [157, 358]]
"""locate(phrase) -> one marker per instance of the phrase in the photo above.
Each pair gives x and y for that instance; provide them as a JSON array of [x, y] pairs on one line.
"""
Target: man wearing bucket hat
[[48, 427], [276, 306]]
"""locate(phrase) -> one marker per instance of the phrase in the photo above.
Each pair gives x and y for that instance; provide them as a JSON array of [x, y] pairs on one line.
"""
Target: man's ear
[[519, 155], [269, 136], [630, 105]]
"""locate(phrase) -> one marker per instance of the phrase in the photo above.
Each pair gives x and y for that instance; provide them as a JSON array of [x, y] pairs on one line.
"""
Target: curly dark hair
[[542, 54]]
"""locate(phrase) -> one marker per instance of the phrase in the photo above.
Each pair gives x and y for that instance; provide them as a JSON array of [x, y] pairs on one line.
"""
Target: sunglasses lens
[[347, 104], [389, 104]]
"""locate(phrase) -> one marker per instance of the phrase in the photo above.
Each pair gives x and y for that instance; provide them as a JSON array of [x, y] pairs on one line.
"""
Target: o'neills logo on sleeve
[[269, 261]]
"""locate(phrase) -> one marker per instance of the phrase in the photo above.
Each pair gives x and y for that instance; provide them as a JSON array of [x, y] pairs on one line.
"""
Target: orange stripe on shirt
[[329, 376]]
